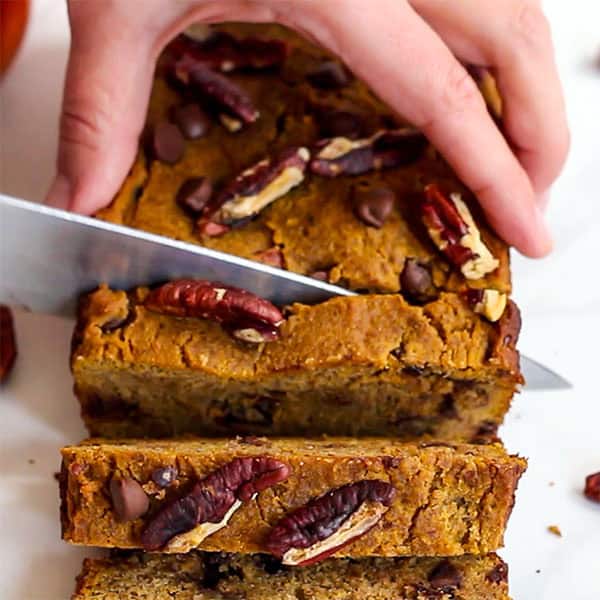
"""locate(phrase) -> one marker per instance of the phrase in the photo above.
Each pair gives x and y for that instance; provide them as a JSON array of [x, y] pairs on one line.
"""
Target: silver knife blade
[[49, 257]]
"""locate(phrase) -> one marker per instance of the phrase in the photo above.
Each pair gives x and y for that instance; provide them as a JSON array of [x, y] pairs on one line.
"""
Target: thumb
[[106, 93]]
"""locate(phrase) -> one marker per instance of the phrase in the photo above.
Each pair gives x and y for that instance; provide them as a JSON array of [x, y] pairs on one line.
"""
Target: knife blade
[[49, 257]]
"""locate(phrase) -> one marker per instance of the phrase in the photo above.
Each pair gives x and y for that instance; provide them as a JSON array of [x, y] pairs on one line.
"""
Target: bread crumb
[[554, 529]]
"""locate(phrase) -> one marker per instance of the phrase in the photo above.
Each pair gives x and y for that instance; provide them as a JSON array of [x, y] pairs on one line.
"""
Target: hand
[[408, 51]]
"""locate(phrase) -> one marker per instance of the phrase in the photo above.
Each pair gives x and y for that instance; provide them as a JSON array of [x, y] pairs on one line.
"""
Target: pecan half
[[384, 150], [326, 524], [489, 303], [257, 187], [8, 344], [186, 522], [592, 487], [452, 229], [219, 89], [236, 309], [221, 51]]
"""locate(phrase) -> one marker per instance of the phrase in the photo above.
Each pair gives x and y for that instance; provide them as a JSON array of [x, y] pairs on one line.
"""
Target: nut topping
[[373, 206], [8, 345], [328, 523], [239, 311], [452, 229], [592, 487], [129, 499], [489, 303], [227, 95], [186, 522], [384, 150], [257, 187], [222, 51]]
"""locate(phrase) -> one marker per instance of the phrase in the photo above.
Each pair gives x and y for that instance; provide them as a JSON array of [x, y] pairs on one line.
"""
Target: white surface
[[559, 297]]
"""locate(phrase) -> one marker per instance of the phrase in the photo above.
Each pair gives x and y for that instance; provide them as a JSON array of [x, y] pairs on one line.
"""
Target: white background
[[560, 299]]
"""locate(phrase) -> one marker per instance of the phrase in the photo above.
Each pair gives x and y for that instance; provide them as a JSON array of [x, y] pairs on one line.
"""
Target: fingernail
[[59, 194]]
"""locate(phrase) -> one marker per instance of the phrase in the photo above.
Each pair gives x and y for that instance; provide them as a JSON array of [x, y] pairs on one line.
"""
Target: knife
[[49, 257]]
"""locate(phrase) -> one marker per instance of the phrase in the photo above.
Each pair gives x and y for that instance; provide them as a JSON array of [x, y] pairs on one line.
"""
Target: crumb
[[538, 570], [56, 475], [555, 530], [551, 484], [31, 461]]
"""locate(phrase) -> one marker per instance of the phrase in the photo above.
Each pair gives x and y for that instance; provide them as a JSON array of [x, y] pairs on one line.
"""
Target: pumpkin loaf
[[362, 365], [262, 145], [300, 500], [217, 576]]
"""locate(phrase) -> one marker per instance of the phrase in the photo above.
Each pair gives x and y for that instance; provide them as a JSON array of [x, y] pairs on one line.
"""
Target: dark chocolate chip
[[167, 142], [341, 123], [164, 476], [329, 75], [191, 120], [194, 194], [415, 281], [445, 576], [373, 206], [128, 498], [499, 574]]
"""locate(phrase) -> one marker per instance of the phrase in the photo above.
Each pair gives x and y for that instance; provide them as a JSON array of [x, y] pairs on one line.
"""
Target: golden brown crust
[[450, 499], [201, 576], [378, 366]]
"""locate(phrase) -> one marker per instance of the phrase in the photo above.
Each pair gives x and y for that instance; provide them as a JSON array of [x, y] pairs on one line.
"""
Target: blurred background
[[559, 298]]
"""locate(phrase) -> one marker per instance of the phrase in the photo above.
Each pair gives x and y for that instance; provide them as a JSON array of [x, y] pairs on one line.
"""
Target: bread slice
[[301, 500], [217, 576], [365, 365]]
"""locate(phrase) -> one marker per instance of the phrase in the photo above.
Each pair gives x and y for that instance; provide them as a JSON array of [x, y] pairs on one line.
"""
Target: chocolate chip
[[373, 206], [340, 123], [191, 120], [415, 281], [128, 498], [329, 75], [194, 194], [167, 142], [164, 476], [445, 576], [499, 574]]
